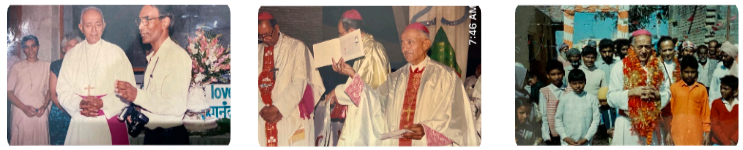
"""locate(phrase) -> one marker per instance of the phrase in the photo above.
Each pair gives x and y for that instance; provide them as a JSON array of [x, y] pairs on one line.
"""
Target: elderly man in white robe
[[424, 97], [289, 87], [619, 96], [85, 86]]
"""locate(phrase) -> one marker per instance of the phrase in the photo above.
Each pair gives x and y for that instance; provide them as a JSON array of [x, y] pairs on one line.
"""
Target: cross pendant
[[89, 88]]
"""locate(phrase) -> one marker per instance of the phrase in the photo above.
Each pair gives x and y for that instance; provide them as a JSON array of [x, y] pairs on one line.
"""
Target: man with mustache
[[164, 93], [728, 52]]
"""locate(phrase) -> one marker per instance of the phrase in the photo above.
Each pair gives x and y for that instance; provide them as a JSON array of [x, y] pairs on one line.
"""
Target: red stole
[[408, 107], [265, 84]]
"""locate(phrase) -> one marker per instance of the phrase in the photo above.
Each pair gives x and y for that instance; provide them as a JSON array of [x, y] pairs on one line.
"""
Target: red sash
[[265, 84], [408, 107]]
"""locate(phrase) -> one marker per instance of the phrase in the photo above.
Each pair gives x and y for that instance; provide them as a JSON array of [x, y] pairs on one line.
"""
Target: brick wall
[[302, 23], [680, 14], [697, 35]]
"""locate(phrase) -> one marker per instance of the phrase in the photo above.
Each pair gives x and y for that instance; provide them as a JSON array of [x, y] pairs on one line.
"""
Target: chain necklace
[[91, 74], [31, 70]]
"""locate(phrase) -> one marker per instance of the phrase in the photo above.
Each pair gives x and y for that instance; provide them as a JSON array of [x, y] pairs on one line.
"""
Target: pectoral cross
[[89, 88]]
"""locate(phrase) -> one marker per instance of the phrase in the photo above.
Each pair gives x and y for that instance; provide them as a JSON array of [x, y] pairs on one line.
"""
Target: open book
[[348, 46]]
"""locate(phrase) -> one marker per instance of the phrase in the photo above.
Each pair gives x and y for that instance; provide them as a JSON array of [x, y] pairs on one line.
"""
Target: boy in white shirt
[[577, 116]]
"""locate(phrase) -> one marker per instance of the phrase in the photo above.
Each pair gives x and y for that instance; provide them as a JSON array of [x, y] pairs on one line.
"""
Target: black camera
[[137, 122]]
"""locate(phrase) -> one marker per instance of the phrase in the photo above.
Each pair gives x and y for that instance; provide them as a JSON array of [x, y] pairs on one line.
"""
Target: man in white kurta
[[294, 73], [618, 97], [92, 68], [577, 117], [424, 96], [727, 56]]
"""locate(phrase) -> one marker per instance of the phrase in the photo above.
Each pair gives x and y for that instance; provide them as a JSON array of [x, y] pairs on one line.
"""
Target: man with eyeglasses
[[620, 92], [289, 87], [164, 94], [85, 86]]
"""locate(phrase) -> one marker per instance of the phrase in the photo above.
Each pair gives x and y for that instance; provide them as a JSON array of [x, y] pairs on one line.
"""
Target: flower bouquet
[[210, 63]]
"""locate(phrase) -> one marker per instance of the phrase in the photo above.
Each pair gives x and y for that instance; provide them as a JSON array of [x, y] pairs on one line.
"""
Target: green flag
[[442, 51]]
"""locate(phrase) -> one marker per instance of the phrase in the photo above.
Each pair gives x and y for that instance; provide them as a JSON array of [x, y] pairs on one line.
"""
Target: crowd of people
[[631, 92]]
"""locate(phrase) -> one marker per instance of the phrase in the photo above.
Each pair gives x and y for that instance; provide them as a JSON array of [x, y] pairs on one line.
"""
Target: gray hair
[[68, 37], [91, 8], [427, 35]]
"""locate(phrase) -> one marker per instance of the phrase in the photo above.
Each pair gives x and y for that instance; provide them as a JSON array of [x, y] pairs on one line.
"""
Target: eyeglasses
[[146, 20], [261, 36]]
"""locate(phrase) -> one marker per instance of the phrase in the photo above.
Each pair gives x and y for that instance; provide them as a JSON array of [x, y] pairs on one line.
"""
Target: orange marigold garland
[[676, 70], [643, 114]]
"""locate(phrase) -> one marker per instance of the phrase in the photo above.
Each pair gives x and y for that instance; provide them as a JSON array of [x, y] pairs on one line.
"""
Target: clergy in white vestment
[[289, 85], [167, 78], [641, 52], [424, 96], [727, 56], [86, 82], [373, 69]]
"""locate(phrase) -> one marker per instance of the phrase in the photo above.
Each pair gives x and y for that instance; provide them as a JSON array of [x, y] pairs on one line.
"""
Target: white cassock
[[373, 69], [295, 71], [617, 97], [96, 65], [442, 107]]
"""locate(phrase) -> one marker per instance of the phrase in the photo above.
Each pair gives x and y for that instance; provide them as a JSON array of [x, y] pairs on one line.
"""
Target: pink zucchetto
[[641, 32]]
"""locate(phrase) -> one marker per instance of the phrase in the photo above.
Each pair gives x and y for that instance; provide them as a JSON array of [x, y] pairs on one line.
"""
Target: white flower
[[193, 48], [199, 77]]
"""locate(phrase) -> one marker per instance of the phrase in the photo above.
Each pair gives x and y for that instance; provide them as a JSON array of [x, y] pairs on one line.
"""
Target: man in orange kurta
[[689, 107]]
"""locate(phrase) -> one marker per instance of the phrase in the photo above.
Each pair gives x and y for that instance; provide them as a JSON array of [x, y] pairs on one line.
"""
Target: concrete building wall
[[42, 21], [535, 38]]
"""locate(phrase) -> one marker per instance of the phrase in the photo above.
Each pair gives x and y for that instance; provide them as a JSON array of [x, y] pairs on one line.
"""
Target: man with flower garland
[[289, 87], [644, 90], [164, 94]]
